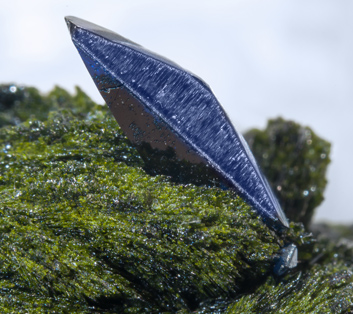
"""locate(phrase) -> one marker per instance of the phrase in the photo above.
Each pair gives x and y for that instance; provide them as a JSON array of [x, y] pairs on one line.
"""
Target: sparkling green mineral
[[295, 160], [85, 229]]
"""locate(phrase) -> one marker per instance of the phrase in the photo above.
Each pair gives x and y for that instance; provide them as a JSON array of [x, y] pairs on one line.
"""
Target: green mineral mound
[[85, 229], [294, 159], [20, 103]]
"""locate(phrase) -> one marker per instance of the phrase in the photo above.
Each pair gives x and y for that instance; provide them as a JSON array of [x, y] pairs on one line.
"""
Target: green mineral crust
[[294, 160], [86, 229], [19, 103]]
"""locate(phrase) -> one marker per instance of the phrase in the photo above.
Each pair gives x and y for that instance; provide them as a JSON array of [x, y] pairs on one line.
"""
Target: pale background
[[263, 59]]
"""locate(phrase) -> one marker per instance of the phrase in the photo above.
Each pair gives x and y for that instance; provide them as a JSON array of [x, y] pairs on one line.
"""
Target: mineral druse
[[85, 229]]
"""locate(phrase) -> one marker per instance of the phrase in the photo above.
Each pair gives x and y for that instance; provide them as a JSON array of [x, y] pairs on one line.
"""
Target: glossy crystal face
[[158, 103]]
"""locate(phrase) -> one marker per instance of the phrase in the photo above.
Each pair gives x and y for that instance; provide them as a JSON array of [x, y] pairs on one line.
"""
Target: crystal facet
[[288, 259], [155, 101]]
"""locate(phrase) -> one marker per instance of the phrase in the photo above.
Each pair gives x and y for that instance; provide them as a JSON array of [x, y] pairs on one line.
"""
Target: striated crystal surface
[[156, 102]]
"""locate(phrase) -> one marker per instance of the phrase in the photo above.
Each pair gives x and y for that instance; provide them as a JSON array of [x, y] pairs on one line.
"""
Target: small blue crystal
[[157, 102], [287, 260]]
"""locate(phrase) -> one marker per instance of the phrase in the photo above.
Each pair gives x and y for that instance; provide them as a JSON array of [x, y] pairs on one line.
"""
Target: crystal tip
[[73, 22], [70, 23]]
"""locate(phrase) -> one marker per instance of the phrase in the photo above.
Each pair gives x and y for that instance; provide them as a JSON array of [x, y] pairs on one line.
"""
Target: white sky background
[[263, 59]]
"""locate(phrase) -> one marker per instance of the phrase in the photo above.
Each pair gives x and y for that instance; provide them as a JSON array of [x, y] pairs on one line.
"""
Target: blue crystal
[[287, 260], [156, 101]]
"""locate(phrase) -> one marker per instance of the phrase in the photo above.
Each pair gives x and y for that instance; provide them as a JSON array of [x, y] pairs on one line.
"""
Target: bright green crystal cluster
[[85, 229]]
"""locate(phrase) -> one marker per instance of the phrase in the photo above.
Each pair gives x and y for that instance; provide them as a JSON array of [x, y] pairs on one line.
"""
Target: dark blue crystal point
[[155, 101]]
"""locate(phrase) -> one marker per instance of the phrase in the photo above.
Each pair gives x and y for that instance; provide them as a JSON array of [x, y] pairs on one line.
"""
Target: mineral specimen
[[84, 229]]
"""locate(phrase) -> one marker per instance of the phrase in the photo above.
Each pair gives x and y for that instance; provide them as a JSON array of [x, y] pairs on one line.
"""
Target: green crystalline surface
[[320, 290], [84, 229], [20, 103], [294, 159]]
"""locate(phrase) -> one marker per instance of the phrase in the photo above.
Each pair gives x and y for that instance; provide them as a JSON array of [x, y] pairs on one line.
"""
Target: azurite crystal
[[158, 103]]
